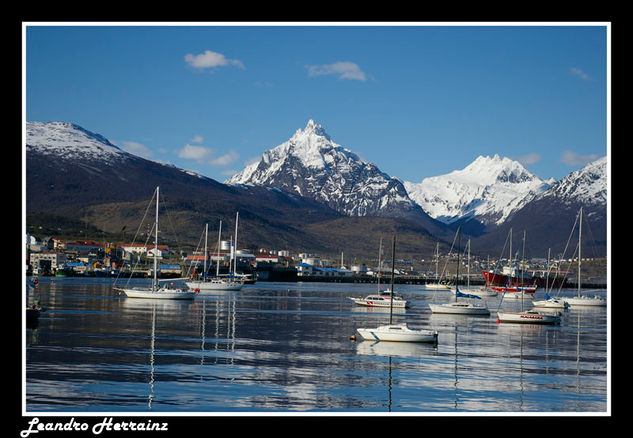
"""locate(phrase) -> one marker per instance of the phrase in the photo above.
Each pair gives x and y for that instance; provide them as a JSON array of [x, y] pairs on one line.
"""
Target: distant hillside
[[80, 176]]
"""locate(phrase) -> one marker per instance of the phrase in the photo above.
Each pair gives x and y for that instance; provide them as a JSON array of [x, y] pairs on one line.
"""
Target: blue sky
[[418, 100]]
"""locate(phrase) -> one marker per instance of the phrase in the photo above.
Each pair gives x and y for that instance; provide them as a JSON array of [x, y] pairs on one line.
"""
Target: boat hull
[[459, 309], [397, 333], [586, 301], [378, 302], [527, 317], [159, 294], [497, 279], [552, 303], [213, 285], [437, 286]]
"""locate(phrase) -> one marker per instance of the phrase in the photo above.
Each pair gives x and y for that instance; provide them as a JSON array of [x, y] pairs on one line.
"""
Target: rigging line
[[151, 201], [195, 265]]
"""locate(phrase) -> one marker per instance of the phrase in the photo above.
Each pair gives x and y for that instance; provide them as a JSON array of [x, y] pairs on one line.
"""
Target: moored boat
[[529, 316], [384, 299], [156, 291], [396, 332]]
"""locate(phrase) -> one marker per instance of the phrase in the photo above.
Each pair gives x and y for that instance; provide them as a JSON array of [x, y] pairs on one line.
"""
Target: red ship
[[526, 279]]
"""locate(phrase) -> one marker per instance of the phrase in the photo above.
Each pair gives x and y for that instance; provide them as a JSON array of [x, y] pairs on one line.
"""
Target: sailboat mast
[[579, 249], [459, 236], [235, 252], [155, 281], [522, 268], [379, 263], [468, 274], [217, 265], [393, 264], [206, 253]]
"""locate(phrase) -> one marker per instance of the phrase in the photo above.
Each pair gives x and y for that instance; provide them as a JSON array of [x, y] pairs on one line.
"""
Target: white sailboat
[[396, 332], [532, 316], [217, 282], [550, 302], [460, 307], [156, 291], [384, 298], [437, 285], [579, 299]]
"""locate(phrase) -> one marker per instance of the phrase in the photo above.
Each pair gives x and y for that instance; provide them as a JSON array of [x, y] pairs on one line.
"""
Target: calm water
[[285, 347]]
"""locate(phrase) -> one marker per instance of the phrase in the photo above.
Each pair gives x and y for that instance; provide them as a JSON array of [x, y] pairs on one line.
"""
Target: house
[[46, 261]]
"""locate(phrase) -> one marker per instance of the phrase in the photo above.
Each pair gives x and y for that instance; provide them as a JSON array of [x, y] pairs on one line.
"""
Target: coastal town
[[50, 256]]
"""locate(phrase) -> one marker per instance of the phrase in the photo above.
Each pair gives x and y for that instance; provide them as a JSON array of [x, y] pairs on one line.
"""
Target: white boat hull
[[369, 302], [397, 333], [552, 303], [164, 294], [586, 301], [212, 285], [483, 292], [459, 309], [437, 286], [518, 295], [528, 317]]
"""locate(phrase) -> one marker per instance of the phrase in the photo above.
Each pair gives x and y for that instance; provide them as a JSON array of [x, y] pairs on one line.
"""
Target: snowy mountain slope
[[549, 217], [587, 185], [70, 142], [312, 165], [489, 189]]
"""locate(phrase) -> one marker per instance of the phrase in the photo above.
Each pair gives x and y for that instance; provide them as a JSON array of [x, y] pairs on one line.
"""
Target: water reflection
[[286, 347]]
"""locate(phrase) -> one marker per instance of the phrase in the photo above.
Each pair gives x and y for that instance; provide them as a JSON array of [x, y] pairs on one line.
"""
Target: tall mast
[[459, 236], [154, 283], [235, 252], [206, 254], [579, 249], [522, 268], [379, 263], [217, 265], [393, 264], [468, 274]]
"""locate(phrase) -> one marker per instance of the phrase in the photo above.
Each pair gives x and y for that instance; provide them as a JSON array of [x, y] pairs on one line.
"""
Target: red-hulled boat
[[497, 279]]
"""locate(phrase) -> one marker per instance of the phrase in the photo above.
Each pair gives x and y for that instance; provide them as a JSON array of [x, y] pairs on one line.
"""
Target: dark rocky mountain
[[312, 165], [74, 174]]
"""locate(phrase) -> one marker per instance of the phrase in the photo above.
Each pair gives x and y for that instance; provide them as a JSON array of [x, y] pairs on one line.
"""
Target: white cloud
[[210, 60], [197, 139], [578, 72], [198, 153], [137, 149], [343, 69], [528, 159], [571, 158], [225, 159], [205, 155]]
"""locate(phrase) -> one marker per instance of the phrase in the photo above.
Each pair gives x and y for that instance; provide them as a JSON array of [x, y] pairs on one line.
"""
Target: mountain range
[[311, 194]]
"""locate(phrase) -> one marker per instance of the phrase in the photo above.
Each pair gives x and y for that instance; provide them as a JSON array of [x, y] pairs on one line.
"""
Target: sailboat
[[550, 302], [460, 307], [217, 282], [579, 299], [531, 316], [156, 291], [384, 298], [396, 332], [437, 285]]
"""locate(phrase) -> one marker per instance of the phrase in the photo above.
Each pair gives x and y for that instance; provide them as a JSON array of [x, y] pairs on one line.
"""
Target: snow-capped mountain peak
[[70, 141], [312, 165], [587, 185], [490, 189]]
